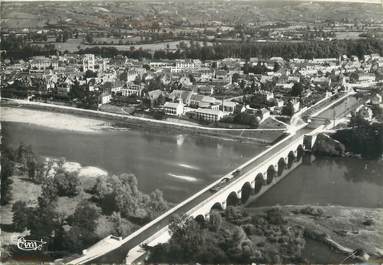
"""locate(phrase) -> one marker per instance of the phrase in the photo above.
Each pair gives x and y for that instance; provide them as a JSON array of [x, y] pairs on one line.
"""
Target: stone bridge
[[252, 182]]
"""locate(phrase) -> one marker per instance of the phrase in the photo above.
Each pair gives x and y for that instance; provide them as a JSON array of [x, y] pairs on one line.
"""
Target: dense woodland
[[364, 138], [18, 48], [231, 236]]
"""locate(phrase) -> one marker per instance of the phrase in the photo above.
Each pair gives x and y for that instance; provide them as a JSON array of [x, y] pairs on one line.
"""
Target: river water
[[329, 181], [182, 164], [178, 164]]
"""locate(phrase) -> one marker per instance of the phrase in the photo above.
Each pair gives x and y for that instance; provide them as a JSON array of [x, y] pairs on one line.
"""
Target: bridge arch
[[232, 199], [200, 219], [300, 152], [246, 192], [281, 166], [258, 183], [271, 173], [290, 159], [217, 207]]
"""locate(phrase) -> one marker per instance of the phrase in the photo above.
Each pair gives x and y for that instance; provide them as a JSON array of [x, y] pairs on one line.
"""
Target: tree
[[49, 192], [288, 109], [89, 38], [277, 67], [121, 227], [186, 233], [297, 90], [67, 183], [235, 78], [156, 204], [21, 215], [77, 239], [215, 221], [6, 179], [85, 216], [44, 221], [90, 74]]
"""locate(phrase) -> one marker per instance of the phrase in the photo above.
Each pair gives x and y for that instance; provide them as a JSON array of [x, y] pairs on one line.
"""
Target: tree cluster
[[242, 118], [365, 138], [227, 237], [120, 193]]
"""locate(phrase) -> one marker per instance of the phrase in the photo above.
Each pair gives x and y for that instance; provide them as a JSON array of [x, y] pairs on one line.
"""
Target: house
[[376, 99], [208, 114], [284, 86], [296, 105], [197, 100], [88, 62], [185, 81], [223, 75], [366, 77], [155, 94], [174, 108], [183, 65], [133, 73], [264, 95], [322, 81], [132, 89], [228, 106], [205, 90], [64, 86], [105, 97], [42, 63], [160, 64], [263, 114], [184, 95]]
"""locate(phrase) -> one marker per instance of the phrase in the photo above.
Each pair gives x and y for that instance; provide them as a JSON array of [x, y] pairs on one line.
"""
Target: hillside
[[96, 14]]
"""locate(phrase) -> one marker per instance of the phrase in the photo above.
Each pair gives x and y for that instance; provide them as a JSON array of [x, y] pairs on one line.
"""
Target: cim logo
[[30, 245]]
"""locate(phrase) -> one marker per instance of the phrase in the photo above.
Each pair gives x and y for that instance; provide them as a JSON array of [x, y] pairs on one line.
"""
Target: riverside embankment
[[265, 136]]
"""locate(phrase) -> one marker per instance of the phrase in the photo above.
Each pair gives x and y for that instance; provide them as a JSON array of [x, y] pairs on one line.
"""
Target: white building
[[186, 65], [132, 89], [209, 114], [376, 99], [42, 63], [133, 73], [105, 98], [228, 106], [174, 108], [88, 62]]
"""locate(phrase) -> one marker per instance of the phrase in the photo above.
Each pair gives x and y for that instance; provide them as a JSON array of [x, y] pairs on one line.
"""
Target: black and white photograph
[[191, 132]]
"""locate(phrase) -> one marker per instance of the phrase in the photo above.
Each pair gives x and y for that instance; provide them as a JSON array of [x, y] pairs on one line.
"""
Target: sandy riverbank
[[54, 120]]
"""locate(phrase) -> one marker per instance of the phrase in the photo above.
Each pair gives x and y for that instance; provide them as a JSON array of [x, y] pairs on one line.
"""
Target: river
[[182, 164], [329, 181], [178, 164]]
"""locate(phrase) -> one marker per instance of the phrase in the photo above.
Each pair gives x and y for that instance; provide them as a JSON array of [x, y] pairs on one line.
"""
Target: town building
[[88, 62], [208, 114], [174, 108]]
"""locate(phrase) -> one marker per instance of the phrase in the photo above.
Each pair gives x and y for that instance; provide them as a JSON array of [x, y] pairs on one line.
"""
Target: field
[[72, 45]]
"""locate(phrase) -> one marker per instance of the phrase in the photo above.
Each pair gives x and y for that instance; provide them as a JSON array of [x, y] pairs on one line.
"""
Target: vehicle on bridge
[[236, 173], [220, 185]]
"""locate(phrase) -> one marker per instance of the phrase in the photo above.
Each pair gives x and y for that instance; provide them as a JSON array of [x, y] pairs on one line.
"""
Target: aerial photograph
[[191, 132]]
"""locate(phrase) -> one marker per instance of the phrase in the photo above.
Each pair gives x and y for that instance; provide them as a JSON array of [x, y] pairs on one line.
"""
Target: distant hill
[[100, 14]]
